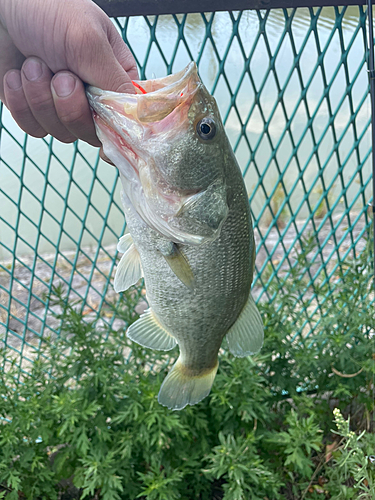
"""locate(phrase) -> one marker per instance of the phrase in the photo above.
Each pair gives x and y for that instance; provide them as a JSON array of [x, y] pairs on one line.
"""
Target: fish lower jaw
[[113, 139]]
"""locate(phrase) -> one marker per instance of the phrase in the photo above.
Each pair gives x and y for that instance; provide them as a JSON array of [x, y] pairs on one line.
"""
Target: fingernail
[[32, 70], [13, 80], [63, 85]]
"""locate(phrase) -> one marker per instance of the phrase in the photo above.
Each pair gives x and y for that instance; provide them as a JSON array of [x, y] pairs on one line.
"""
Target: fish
[[190, 233]]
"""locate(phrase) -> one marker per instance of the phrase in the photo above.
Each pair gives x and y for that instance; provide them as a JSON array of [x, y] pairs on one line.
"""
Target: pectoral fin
[[246, 336], [148, 332], [124, 243], [129, 269], [179, 264]]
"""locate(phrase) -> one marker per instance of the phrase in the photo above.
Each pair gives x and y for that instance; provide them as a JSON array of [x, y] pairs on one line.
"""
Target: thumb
[[119, 67], [95, 51], [98, 66], [122, 53]]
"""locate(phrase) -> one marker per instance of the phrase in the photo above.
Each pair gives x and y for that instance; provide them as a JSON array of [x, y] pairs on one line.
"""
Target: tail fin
[[180, 388]]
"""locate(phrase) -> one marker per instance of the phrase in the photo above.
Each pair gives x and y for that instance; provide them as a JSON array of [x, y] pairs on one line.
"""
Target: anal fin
[[246, 336], [148, 332], [129, 269]]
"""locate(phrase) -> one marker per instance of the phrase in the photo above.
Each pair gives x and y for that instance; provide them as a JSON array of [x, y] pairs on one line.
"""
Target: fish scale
[[199, 320], [190, 229]]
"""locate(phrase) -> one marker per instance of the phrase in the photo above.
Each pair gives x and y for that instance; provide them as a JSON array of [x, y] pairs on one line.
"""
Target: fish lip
[[127, 115], [166, 85], [154, 86]]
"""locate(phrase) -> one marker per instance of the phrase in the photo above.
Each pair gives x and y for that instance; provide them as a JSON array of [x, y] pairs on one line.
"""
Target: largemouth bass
[[188, 216]]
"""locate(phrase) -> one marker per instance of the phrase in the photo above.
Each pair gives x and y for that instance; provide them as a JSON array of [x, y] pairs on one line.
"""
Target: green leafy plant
[[352, 464], [302, 437], [239, 463], [84, 421]]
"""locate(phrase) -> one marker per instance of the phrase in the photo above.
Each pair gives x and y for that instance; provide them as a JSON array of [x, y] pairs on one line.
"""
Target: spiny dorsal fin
[[246, 336], [148, 332], [129, 269]]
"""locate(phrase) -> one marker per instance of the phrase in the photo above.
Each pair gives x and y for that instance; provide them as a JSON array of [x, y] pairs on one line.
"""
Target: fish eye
[[206, 129]]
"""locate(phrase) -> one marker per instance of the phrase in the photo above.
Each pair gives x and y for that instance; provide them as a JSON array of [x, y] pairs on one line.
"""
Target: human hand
[[48, 50]]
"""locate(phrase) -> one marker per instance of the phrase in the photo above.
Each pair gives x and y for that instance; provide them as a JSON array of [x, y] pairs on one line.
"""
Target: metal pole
[[371, 73], [119, 8]]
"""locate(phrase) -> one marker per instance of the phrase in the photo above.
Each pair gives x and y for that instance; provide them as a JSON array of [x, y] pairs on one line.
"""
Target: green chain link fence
[[292, 88]]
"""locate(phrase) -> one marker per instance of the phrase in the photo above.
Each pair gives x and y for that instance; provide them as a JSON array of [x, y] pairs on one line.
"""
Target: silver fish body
[[191, 239]]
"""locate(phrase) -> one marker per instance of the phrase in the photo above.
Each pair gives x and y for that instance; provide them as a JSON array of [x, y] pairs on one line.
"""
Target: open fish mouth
[[124, 135], [160, 107], [131, 127]]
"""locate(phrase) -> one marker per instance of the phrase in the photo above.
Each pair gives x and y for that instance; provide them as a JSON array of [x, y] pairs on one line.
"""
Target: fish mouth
[[127, 123], [155, 109]]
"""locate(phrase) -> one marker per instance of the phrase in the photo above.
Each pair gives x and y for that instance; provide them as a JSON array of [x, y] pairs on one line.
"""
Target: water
[[70, 169]]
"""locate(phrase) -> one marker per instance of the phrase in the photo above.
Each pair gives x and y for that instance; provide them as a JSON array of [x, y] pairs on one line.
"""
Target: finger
[[72, 107], [36, 83], [18, 106], [10, 58]]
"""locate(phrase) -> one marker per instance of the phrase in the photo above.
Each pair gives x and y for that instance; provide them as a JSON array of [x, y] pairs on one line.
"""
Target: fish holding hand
[[190, 232]]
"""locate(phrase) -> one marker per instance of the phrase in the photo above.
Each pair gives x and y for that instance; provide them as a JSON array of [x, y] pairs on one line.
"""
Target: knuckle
[[131, 67], [39, 133], [82, 41], [67, 139], [71, 116], [33, 129], [18, 107], [41, 102]]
